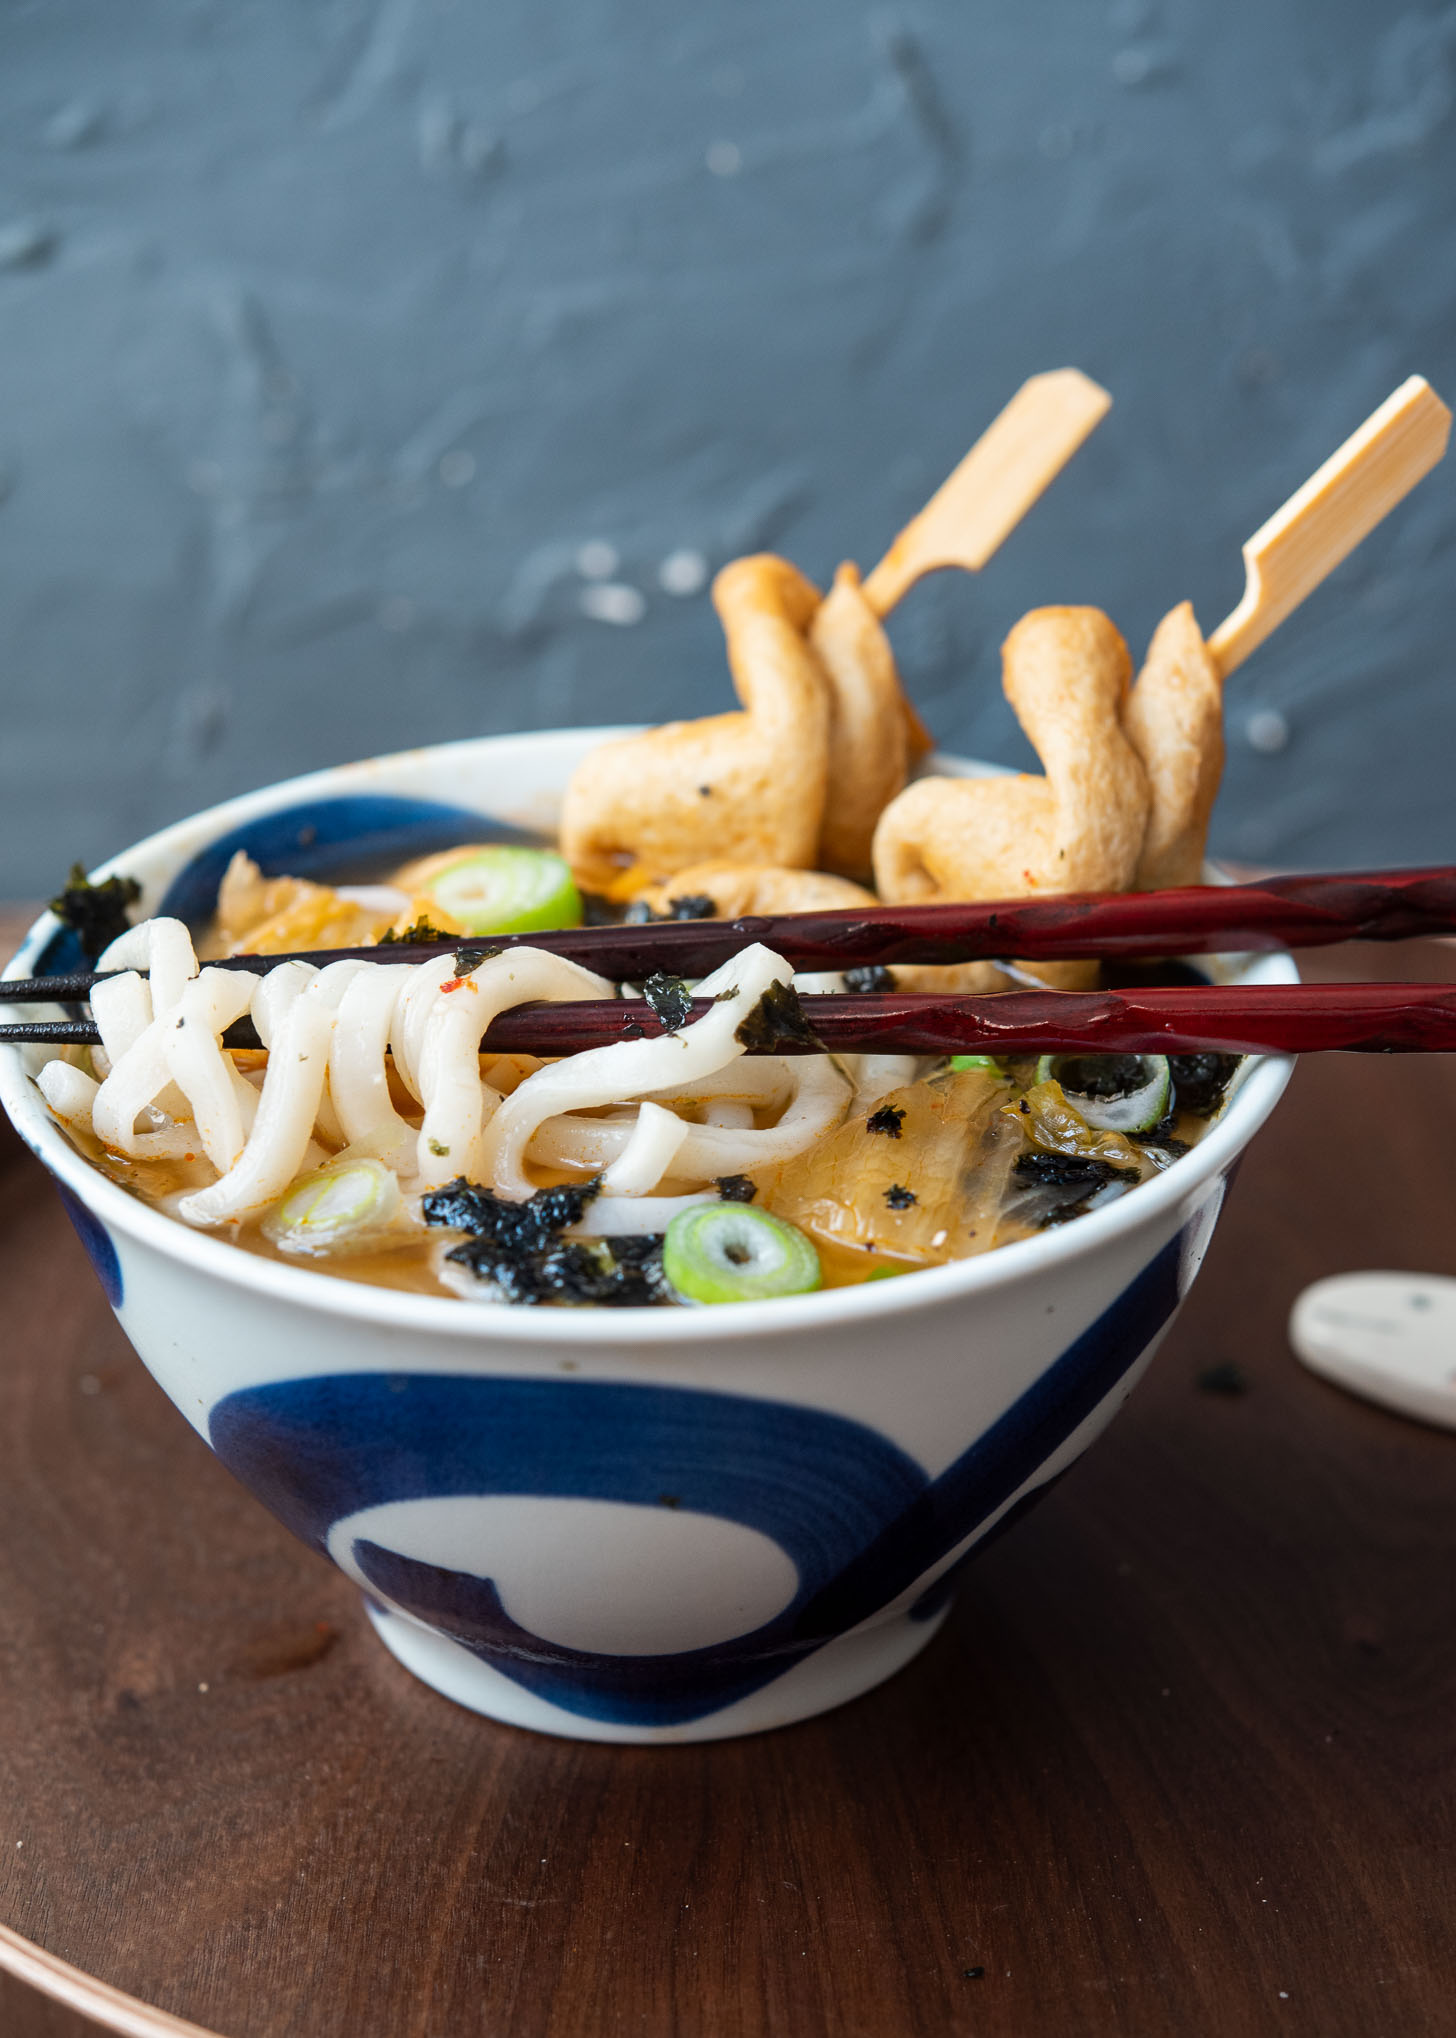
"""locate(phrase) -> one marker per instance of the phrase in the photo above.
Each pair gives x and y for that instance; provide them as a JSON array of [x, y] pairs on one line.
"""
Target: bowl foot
[[841, 1670]]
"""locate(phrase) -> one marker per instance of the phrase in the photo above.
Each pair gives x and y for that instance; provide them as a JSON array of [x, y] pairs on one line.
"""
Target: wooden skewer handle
[[1018, 455], [1324, 521]]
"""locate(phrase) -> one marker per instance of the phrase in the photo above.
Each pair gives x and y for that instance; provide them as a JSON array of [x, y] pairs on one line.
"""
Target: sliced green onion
[[338, 1209], [732, 1252], [885, 1274], [1114, 1092], [961, 1062], [506, 890]]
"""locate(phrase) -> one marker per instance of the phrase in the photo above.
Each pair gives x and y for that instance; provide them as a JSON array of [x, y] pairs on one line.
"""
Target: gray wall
[[332, 330]]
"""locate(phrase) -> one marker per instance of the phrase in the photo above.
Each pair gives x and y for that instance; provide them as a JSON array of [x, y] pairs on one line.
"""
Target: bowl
[[624, 1525]]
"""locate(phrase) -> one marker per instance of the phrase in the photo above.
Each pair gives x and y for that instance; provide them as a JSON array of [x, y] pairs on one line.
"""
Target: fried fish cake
[[749, 786], [1078, 828], [1174, 721]]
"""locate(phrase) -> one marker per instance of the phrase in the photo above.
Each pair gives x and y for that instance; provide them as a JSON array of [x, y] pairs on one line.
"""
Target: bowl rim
[[314, 1290]]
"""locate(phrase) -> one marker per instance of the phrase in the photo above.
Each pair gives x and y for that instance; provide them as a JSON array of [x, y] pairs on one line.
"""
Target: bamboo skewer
[[1179, 1019], [1016, 458], [1323, 522]]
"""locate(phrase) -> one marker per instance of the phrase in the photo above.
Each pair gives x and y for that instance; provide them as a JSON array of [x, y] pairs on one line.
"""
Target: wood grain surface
[[1180, 1762]]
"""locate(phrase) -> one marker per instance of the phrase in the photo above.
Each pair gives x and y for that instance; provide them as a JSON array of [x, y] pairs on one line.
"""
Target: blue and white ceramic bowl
[[640, 1525]]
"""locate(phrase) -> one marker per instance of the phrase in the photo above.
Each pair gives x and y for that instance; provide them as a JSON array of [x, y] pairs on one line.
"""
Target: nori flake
[[530, 1226], [735, 1188], [1161, 1141], [468, 960], [597, 911], [899, 1197], [669, 998], [1201, 1079], [778, 1017], [870, 976], [516, 1247], [613, 1273], [692, 906], [97, 913], [1071, 1180], [888, 1119], [1161, 1134], [1065, 1170], [418, 930]]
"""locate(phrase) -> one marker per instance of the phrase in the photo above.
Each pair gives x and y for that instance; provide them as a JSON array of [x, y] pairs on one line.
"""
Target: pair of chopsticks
[[1301, 912]]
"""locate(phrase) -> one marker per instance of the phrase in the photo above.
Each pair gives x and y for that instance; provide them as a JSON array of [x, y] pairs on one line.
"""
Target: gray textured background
[[333, 330]]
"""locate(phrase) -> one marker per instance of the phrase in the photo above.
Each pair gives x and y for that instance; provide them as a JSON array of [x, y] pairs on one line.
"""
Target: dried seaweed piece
[[599, 911], [776, 1018], [1067, 1171], [616, 1273], [97, 913], [607, 1273], [669, 998], [518, 1250], [530, 1226], [572, 1272], [869, 977], [689, 906], [889, 1119], [899, 1197], [468, 960], [1199, 1080], [417, 931], [1160, 1145], [1070, 1181], [1161, 1134], [735, 1188]]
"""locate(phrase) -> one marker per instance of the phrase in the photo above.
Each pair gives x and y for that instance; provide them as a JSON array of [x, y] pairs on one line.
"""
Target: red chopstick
[[1182, 1019], [1281, 912]]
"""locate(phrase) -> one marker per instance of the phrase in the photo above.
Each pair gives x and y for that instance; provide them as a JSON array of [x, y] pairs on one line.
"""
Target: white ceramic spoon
[[1388, 1337]]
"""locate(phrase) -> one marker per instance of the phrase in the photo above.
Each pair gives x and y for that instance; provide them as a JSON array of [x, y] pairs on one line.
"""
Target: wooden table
[[1179, 1764]]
